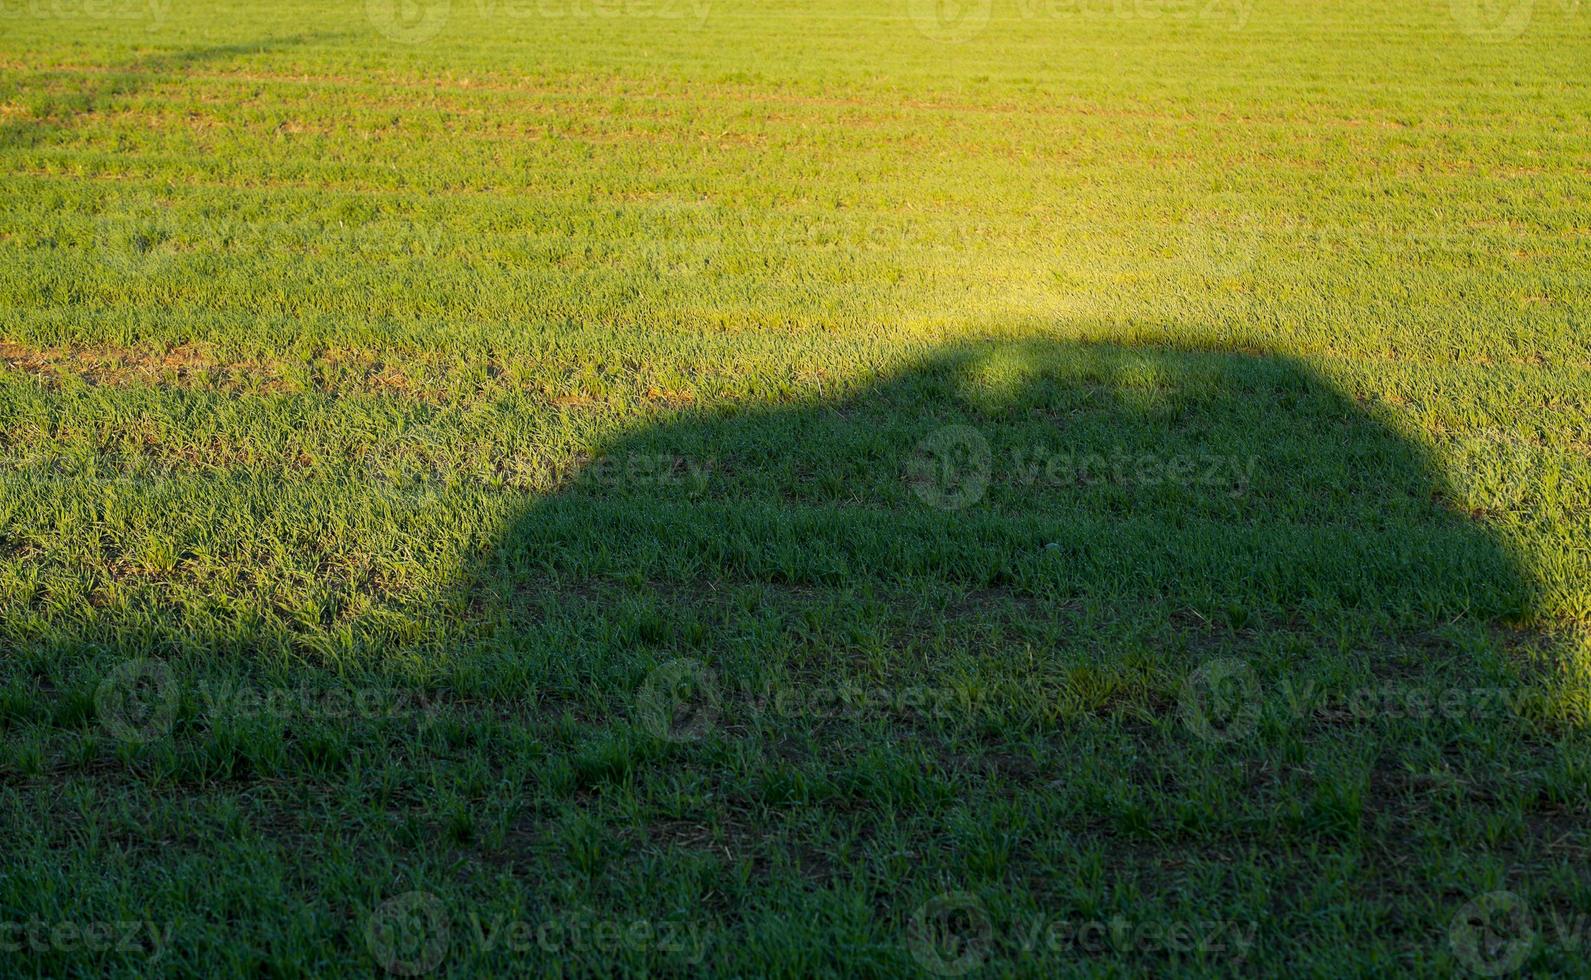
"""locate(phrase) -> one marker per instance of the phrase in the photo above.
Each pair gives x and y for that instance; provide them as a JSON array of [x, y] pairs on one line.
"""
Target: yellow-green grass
[[794, 488]]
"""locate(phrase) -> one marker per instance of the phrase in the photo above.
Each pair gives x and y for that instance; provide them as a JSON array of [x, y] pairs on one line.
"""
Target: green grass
[[774, 491]]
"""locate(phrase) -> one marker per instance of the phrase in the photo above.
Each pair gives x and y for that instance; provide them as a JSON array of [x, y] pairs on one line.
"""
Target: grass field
[[769, 488]]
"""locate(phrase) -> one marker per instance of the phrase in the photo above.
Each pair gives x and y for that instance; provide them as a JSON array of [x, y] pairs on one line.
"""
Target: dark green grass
[[882, 700]]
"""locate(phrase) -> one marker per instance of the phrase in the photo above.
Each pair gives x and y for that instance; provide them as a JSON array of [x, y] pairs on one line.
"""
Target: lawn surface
[[703, 486]]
